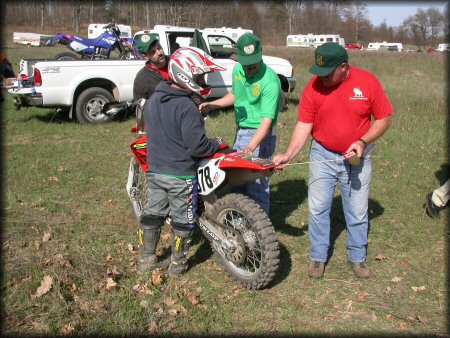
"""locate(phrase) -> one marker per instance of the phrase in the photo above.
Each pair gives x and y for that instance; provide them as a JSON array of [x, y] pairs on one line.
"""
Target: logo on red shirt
[[357, 94]]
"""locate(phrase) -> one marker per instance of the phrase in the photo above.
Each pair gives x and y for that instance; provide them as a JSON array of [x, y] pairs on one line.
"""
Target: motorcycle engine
[[102, 53]]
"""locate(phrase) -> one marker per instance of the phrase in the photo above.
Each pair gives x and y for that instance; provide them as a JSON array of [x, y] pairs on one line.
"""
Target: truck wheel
[[90, 103], [66, 57]]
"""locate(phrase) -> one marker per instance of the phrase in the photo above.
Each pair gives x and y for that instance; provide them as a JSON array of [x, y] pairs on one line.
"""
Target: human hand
[[357, 147], [222, 143], [281, 160], [248, 150]]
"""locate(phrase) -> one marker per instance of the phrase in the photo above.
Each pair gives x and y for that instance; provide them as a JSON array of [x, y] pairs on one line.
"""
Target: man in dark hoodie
[[176, 141], [155, 69]]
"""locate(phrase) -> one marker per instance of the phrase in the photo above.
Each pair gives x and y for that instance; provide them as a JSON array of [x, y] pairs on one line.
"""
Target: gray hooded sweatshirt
[[175, 130]]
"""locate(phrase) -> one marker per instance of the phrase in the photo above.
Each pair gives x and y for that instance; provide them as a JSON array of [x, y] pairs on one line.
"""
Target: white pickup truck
[[83, 87]]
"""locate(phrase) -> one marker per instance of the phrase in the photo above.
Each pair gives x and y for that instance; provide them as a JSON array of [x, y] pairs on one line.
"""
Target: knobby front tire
[[260, 263]]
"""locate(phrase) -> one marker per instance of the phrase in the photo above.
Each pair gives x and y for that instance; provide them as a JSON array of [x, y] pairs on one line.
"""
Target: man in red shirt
[[336, 109]]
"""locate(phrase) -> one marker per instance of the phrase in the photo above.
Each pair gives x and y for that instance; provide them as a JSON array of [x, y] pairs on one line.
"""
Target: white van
[[96, 29], [443, 47]]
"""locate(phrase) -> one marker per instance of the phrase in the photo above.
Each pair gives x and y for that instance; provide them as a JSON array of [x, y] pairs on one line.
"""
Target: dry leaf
[[37, 244], [172, 312], [362, 296], [388, 291], [157, 278], [419, 288], [137, 288], [67, 329], [145, 304], [112, 271], [169, 301], [47, 236], [46, 285], [381, 257], [396, 279], [388, 317], [191, 297], [131, 248], [109, 258], [61, 169], [110, 283], [422, 320]]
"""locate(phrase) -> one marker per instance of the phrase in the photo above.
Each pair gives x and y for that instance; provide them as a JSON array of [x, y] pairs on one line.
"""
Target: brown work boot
[[316, 269], [360, 269]]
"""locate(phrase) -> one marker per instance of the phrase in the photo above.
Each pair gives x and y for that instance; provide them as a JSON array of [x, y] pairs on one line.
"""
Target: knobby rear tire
[[261, 245], [67, 57]]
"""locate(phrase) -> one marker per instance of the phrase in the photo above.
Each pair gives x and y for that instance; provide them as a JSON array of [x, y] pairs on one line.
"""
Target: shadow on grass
[[205, 252], [443, 174], [285, 200], [338, 224], [62, 116]]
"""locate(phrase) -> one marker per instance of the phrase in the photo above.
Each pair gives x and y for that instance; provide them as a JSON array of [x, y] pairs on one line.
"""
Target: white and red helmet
[[187, 67]]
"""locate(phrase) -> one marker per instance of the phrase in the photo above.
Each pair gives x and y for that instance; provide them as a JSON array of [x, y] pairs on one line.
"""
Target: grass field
[[70, 244]]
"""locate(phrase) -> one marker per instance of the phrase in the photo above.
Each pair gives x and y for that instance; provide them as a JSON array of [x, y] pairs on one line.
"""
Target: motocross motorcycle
[[98, 48], [240, 232]]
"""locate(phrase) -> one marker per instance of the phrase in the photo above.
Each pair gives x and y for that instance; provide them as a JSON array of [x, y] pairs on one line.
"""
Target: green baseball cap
[[327, 58], [145, 41], [249, 49]]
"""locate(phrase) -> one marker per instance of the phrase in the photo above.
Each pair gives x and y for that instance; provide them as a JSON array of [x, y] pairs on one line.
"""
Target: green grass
[[69, 179]]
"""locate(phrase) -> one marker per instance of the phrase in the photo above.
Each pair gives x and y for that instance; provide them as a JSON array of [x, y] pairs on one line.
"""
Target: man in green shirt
[[255, 94]]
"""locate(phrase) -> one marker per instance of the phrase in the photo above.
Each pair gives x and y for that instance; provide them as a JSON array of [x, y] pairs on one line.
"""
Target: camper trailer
[[322, 38], [300, 40], [443, 47], [390, 46], [233, 33], [313, 40], [95, 29]]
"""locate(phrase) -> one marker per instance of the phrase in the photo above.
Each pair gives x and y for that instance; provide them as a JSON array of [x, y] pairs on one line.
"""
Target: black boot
[[149, 232], [181, 242]]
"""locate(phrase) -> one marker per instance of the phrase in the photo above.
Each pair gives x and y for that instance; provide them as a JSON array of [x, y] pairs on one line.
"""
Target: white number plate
[[209, 175]]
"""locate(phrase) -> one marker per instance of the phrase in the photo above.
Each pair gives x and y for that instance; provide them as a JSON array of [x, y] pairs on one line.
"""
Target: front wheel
[[90, 104], [67, 57], [254, 259], [137, 188]]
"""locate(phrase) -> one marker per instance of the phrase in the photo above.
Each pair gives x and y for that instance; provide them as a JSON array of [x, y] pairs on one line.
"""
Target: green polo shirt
[[255, 97]]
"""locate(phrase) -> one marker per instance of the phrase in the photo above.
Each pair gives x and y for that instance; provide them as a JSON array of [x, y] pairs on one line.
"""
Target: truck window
[[221, 47], [179, 39]]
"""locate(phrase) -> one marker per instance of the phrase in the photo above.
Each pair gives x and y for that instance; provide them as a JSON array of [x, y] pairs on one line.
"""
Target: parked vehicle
[[240, 232], [353, 46], [96, 29], [312, 40], [82, 87], [443, 47], [98, 48]]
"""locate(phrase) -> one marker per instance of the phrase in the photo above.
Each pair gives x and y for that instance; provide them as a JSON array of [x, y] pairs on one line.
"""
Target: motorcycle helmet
[[188, 66]]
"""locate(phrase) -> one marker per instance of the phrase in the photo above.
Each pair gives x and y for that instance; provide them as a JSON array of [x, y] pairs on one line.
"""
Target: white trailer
[[30, 39], [313, 40], [443, 47], [300, 40], [233, 33], [96, 29]]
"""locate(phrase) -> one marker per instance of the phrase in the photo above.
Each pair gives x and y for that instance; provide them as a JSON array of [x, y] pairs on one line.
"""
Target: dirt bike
[[240, 232], [98, 48]]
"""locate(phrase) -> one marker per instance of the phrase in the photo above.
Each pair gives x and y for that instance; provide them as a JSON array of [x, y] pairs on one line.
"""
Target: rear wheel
[[67, 57], [90, 104], [254, 259]]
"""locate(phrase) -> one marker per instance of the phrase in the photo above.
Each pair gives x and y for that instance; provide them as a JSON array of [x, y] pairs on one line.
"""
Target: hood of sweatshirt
[[168, 92]]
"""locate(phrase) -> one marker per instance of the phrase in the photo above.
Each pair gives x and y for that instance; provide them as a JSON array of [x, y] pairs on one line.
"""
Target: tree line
[[271, 20]]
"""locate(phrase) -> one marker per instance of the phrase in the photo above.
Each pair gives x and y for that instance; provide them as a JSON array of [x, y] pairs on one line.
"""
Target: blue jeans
[[258, 190], [354, 184]]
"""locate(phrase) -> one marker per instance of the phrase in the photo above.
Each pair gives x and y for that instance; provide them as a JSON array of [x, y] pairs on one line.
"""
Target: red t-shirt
[[163, 71], [342, 114]]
